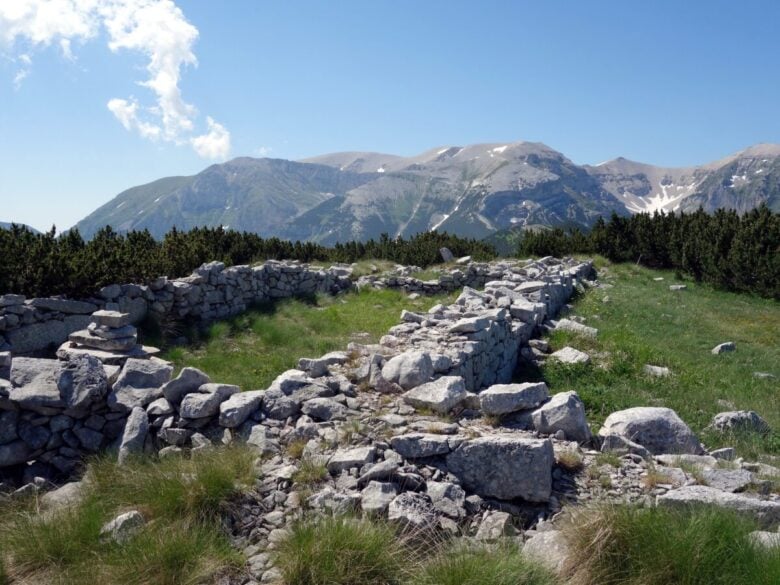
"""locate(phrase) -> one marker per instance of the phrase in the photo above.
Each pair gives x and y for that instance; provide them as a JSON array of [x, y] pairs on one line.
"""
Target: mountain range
[[476, 191]]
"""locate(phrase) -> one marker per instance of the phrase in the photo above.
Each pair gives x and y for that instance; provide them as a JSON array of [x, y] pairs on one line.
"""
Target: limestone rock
[[657, 429], [441, 395], [724, 347], [346, 458], [408, 369], [139, 383], [419, 445], [412, 510], [578, 328], [505, 398], [123, 527], [569, 355], [765, 512], [206, 401], [740, 421], [134, 435], [376, 496], [564, 412], [505, 467], [236, 409], [494, 526], [188, 380], [548, 548]]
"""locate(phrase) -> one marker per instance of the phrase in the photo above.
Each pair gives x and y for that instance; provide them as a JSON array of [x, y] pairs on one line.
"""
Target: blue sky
[[665, 82]]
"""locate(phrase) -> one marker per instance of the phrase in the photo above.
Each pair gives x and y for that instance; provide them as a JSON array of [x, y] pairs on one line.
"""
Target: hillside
[[475, 191]]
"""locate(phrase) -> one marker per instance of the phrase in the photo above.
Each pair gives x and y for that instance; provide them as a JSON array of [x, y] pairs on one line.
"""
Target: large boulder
[[440, 396], [14, 453], [765, 512], [505, 398], [505, 467], [409, 369], [657, 429], [324, 409], [564, 412], [139, 383]]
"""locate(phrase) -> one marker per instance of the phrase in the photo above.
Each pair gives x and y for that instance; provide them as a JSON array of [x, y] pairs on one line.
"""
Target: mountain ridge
[[474, 190]]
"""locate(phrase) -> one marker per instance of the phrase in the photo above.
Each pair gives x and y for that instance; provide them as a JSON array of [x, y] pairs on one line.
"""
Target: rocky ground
[[427, 429]]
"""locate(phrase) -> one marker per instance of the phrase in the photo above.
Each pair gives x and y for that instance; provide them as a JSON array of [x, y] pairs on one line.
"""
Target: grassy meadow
[[250, 350], [640, 321]]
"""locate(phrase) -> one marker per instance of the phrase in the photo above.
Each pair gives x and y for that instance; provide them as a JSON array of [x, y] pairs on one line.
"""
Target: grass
[[570, 459], [340, 550], [503, 565], [646, 323], [250, 350], [622, 545], [310, 473], [182, 541]]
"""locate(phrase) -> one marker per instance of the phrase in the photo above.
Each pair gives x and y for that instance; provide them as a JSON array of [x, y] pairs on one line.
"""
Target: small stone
[[123, 527], [376, 496], [494, 526], [724, 347], [569, 355]]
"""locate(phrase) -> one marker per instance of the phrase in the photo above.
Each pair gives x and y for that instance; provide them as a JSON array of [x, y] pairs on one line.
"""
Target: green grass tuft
[[623, 545], [340, 551], [182, 542], [502, 565]]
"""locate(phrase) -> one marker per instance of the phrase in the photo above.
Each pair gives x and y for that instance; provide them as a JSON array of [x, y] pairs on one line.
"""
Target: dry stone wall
[[211, 292], [54, 411]]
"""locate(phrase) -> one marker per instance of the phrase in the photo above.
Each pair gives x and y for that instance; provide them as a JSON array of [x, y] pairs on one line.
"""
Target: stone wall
[[52, 412], [211, 292]]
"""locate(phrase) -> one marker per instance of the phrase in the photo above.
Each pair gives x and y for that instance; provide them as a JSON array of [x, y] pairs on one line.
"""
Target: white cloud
[[215, 143], [263, 151], [157, 29]]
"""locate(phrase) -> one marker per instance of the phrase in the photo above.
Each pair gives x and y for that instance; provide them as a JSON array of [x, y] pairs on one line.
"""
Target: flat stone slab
[[114, 358], [505, 398], [569, 355], [113, 319], [86, 338], [578, 328], [766, 512]]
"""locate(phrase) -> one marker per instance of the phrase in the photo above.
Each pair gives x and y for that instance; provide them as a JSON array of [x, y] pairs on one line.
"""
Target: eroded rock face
[[657, 429], [505, 467]]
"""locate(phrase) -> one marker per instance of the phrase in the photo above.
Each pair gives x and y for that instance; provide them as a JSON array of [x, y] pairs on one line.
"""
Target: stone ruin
[[372, 416]]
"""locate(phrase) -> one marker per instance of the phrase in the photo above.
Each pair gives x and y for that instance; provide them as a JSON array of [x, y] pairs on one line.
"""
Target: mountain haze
[[476, 191]]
